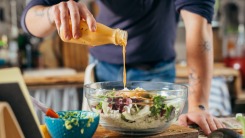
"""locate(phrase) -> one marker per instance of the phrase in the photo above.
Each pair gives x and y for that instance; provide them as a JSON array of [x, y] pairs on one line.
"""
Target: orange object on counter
[[52, 113], [48, 111], [45, 132]]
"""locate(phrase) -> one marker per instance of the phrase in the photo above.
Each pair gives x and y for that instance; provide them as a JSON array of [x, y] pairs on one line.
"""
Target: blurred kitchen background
[[54, 70]]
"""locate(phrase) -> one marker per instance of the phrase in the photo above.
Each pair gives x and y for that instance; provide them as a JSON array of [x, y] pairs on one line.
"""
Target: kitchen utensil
[[224, 133], [48, 111]]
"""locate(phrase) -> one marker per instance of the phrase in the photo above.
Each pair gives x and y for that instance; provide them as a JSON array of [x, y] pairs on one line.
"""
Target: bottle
[[231, 47], [102, 35]]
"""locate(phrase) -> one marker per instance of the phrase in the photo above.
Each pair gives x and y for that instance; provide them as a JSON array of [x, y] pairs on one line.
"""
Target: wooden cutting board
[[174, 131]]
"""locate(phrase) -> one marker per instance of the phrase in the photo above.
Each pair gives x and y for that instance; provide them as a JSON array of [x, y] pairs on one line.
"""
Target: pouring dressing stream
[[102, 35]]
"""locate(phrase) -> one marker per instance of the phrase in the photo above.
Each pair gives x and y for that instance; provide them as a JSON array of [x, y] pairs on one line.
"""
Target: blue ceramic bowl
[[73, 124]]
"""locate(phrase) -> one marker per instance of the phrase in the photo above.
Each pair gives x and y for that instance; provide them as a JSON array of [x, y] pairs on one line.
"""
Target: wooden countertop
[[174, 131], [66, 79], [77, 79], [58, 78], [181, 72], [219, 70]]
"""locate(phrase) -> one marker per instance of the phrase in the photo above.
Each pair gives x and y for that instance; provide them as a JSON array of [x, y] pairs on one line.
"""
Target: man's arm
[[41, 20], [38, 21], [199, 42]]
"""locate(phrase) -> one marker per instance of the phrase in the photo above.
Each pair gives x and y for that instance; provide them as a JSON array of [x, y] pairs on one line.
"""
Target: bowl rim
[[94, 113], [166, 83]]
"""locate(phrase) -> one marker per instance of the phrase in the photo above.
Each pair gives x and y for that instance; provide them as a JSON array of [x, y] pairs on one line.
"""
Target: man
[[151, 25]]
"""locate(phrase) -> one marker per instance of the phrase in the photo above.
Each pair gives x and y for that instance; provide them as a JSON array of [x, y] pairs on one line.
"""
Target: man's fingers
[[75, 18], [203, 124], [211, 123], [88, 17], [64, 17], [183, 120], [66, 11], [91, 22], [218, 123], [56, 15]]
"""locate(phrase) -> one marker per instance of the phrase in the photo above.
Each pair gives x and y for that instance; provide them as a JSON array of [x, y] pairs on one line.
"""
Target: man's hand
[[41, 20], [203, 119], [61, 13]]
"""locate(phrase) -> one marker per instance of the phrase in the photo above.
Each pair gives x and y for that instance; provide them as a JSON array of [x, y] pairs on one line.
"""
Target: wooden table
[[75, 80], [174, 131], [219, 71]]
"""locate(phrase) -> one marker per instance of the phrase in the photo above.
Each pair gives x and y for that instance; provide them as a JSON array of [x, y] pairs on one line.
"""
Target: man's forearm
[[38, 21], [199, 59], [200, 72]]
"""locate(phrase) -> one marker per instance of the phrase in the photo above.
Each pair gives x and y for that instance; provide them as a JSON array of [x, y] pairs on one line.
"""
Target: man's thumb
[[183, 120]]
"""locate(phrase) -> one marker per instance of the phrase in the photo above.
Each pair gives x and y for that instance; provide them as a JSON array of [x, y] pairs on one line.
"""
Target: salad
[[241, 119], [71, 119], [135, 109]]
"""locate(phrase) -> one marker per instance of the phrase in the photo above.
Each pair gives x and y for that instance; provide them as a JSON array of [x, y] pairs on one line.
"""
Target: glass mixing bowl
[[142, 108]]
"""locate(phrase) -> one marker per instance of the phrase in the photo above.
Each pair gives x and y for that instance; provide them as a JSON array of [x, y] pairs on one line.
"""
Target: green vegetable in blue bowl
[[73, 124]]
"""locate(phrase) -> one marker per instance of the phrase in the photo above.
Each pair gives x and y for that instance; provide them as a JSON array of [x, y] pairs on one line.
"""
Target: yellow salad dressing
[[102, 35]]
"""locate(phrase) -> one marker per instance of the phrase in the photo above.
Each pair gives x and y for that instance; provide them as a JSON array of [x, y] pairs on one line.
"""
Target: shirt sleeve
[[35, 3], [204, 8]]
